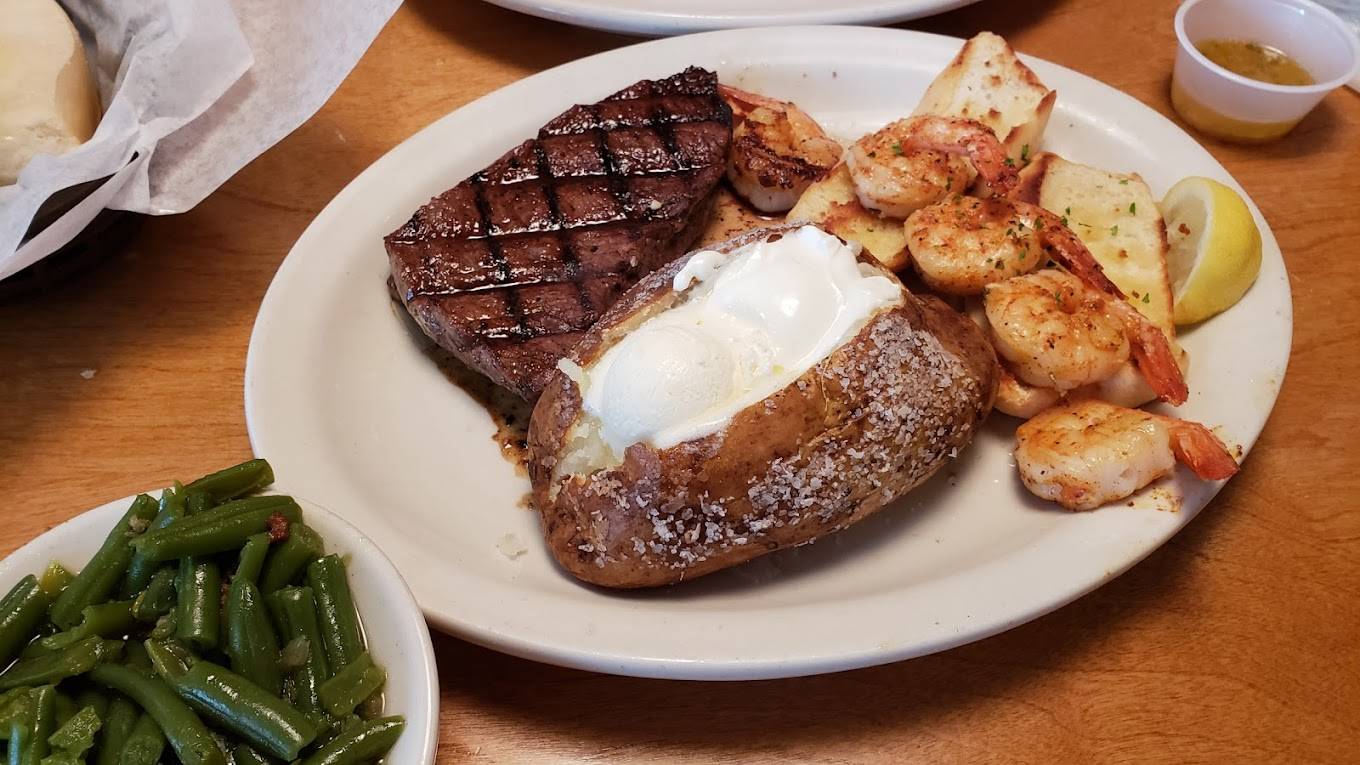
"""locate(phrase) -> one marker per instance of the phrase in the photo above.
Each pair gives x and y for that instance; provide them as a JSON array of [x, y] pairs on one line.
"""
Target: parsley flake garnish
[[1147, 298], [1114, 230], [897, 148], [1123, 181], [1133, 208], [1024, 153]]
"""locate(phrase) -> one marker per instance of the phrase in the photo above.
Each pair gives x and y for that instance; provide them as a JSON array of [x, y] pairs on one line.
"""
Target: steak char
[[509, 268]]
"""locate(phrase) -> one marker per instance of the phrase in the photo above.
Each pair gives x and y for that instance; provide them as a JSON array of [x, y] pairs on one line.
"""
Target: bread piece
[[832, 205], [868, 423], [1116, 217], [48, 100], [987, 82]]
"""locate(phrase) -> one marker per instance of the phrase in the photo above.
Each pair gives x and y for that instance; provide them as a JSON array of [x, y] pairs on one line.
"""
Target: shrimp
[[961, 245], [918, 161], [1086, 454], [777, 150], [1055, 332], [1020, 399], [965, 246], [1058, 332]]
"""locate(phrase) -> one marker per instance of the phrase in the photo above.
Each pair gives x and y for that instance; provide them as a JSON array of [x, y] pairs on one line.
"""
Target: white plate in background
[[673, 17], [342, 400]]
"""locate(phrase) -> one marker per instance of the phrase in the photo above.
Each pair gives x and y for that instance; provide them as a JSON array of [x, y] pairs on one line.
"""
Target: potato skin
[[861, 428]]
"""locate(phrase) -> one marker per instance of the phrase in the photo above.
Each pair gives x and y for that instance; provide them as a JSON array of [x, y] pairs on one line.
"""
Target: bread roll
[[48, 100]]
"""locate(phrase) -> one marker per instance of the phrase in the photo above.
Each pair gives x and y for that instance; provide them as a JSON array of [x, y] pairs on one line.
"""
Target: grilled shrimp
[[1057, 332], [777, 150], [1086, 454], [1054, 331], [961, 245], [1020, 399], [917, 161]]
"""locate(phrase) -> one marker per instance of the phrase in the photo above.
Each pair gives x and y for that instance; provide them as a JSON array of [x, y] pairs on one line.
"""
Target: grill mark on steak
[[568, 251], [502, 265], [507, 269]]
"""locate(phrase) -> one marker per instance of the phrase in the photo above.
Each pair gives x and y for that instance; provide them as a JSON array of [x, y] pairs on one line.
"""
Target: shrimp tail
[[1153, 355], [975, 141], [1063, 246], [1156, 361], [1201, 451]]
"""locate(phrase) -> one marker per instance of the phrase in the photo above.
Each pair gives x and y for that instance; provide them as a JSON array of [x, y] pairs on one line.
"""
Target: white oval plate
[[396, 634], [673, 17], [341, 398]]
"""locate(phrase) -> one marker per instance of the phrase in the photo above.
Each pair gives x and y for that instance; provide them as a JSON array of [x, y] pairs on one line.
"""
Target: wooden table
[[1238, 641]]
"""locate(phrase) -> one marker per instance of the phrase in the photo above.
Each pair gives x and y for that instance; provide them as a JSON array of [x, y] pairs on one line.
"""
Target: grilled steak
[[509, 268]]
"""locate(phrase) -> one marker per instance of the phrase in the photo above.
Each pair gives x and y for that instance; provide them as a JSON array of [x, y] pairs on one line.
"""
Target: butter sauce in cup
[[1235, 107]]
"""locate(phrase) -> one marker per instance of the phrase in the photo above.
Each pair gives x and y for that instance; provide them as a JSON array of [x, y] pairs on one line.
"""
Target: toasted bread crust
[[864, 426]]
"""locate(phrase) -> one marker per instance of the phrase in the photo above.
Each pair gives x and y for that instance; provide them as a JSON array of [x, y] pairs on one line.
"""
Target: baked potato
[[876, 417]]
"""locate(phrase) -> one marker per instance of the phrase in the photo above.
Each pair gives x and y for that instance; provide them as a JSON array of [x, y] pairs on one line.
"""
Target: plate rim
[[747, 668]]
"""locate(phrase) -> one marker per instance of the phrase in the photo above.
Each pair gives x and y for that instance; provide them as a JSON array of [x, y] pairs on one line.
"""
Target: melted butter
[[1260, 62], [1208, 121]]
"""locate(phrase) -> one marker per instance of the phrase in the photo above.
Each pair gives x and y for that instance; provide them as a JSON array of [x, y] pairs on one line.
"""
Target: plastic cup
[[1227, 105]]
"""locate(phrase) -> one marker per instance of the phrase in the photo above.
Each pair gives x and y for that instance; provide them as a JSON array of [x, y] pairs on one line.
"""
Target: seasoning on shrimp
[[1090, 453], [778, 150], [918, 161]]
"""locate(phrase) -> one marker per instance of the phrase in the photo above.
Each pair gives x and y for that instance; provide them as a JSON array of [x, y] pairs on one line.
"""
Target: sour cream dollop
[[753, 321]]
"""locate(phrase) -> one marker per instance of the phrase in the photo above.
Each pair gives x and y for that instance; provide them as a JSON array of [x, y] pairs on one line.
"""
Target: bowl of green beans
[[212, 624]]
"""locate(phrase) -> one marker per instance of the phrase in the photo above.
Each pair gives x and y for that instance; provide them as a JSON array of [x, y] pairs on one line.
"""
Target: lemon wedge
[[1215, 248]]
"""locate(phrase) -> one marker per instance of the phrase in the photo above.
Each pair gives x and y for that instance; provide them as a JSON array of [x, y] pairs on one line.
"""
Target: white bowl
[[396, 631], [1307, 32]]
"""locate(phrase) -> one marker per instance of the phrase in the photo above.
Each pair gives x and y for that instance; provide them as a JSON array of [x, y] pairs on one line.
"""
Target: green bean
[[105, 570], [55, 578], [292, 556], [200, 602], [168, 660], [263, 719], [252, 557], [196, 502], [66, 708], [294, 611], [245, 754], [112, 619], [17, 717], [158, 598], [28, 736], [89, 697], [21, 611], [135, 656], [354, 682], [76, 735], [360, 745], [236, 480], [225, 528], [76, 659], [118, 722], [141, 569], [145, 743], [251, 642], [182, 728], [335, 606]]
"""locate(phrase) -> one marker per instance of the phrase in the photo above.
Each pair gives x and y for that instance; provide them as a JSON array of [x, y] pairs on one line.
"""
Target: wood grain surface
[[1239, 641]]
